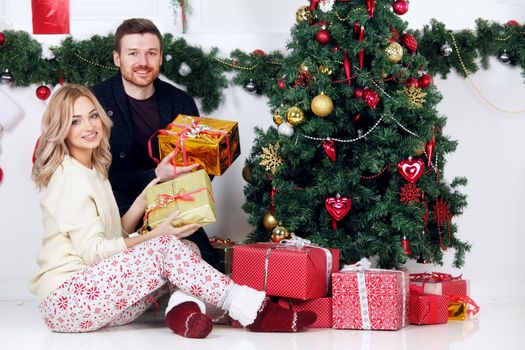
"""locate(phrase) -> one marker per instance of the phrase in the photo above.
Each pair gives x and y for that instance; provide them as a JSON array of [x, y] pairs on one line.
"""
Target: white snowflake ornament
[[326, 5]]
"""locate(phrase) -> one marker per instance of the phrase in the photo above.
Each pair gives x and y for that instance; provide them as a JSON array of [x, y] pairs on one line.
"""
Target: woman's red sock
[[186, 319], [274, 318]]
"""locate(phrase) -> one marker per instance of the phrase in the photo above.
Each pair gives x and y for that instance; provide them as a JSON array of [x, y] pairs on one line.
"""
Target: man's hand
[[164, 171]]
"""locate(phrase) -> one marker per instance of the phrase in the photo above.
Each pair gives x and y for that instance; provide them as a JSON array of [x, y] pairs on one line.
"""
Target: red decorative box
[[428, 308], [321, 306], [370, 299], [439, 283], [285, 271]]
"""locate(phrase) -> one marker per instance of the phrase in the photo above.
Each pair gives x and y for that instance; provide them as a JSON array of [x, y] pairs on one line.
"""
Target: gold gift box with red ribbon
[[191, 194], [214, 143]]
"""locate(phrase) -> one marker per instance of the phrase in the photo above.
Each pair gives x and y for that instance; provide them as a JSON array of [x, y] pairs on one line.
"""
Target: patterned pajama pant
[[119, 289]]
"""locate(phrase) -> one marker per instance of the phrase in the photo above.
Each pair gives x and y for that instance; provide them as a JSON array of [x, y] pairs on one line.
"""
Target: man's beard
[[140, 81]]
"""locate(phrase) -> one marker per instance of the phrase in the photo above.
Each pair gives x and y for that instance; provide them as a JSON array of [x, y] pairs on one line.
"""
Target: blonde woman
[[92, 273]]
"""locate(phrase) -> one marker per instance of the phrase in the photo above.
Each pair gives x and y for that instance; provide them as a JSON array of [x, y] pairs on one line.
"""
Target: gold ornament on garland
[[416, 96], [270, 221], [394, 52], [279, 233], [295, 116], [270, 158], [303, 14], [322, 105], [325, 70], [277, 118]]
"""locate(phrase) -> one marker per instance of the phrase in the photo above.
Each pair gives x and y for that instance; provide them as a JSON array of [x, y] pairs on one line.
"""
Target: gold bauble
[[295, 116], [394, 52], [279, 233], [246, 173], [269, 221], [420, 149], [384, 75], [322, 105], [277, 118], [303, 14]]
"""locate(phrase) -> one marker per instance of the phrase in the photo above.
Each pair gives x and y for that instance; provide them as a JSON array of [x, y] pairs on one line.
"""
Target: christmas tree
[[356, 158]]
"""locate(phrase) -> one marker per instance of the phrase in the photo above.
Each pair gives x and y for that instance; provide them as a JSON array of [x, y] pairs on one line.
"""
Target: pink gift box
[[370, 299]]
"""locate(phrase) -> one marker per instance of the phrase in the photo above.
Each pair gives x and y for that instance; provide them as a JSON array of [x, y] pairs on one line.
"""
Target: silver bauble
[[446, 50], [504, 57], [251, 86], [184, 69], [6, 78], [285, 129], [168, 58]]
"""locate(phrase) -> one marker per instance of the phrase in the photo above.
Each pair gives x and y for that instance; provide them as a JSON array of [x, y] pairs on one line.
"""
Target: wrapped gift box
[[214, 143], [439, 283], [460, 307], [224, 252], [190, 193], [370, 299], [284, 271], [321, 306], [428, 309]]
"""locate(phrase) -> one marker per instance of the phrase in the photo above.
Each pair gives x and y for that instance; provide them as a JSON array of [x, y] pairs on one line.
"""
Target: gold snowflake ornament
[[270, 158], [416, 96]]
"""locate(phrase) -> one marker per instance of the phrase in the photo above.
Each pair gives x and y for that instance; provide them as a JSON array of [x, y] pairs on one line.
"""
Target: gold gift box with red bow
[[214, 143]]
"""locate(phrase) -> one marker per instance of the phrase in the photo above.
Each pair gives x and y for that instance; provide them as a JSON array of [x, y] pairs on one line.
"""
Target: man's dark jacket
[[126, 180]]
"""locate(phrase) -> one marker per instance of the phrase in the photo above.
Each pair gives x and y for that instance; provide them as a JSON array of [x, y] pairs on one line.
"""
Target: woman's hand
[[166, 228], [164, 170]]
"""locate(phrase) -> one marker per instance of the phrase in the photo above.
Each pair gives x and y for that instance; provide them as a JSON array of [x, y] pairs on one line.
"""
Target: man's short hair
[[136, 26]]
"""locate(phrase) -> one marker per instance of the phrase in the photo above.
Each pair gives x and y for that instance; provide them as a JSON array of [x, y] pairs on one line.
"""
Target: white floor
[[499, 325]]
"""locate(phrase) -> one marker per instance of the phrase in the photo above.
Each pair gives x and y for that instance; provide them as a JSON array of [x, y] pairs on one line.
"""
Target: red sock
[[275, 318], [186, 319]]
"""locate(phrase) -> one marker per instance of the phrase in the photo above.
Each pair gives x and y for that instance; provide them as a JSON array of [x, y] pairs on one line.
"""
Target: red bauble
[[412, 82], [258, 52], [329, 148], [358, 92], [43, 92], [424, 81], [335, 49], [411, 169], [512, 23], [406, 247], [2, 39], [370, 7], [400, 7], [356, 118], [371, 98], [282, 84], [410, 42], [323, 36]]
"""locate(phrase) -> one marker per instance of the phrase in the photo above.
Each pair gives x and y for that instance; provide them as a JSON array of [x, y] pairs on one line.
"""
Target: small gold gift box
[[457, 311], [214, 143], [190, 193]]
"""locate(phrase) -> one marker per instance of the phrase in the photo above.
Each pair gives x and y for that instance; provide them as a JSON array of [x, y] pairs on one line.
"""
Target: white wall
[[489, 153]]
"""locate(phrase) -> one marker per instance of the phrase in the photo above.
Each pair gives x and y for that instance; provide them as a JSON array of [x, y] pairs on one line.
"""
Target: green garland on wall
[[90, 61]]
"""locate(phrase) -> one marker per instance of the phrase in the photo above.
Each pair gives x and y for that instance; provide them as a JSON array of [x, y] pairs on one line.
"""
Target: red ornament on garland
[[258, 52], [281, 84], [411, 169], [429, 148], [370, 7], [329, 148], [512, 23], [443, 216], [337, 207], [356, 118], [400, 7], [406, 246], [412, 82], [371, 98], [313, 4], [347, 65], [410, 193], [2, 39], [43, 92], [358, 92], [410, 42], [323, 36], [362, 51], [424, 81]]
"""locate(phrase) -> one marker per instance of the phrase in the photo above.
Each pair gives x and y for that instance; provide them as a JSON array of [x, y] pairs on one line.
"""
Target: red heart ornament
[[338, 206], [329, 148], [411, 169]]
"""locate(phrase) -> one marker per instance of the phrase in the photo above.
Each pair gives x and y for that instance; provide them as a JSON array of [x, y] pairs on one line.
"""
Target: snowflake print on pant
[[120, 288]]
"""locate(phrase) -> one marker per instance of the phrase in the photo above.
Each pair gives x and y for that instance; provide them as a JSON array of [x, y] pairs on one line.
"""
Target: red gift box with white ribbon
[[321, 306], [439, 283], [365, 298], [287, 269]]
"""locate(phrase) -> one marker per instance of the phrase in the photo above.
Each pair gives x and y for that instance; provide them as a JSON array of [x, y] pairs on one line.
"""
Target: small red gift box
[[428, 308], [439, 283], [321, 306], [285, 271], [364, 298]]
